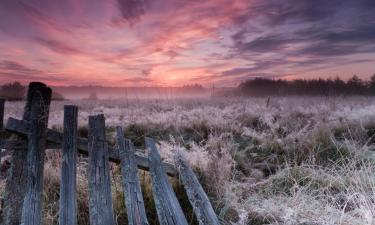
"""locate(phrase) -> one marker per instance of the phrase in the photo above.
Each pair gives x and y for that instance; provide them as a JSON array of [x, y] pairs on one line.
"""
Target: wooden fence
[[29, 137]]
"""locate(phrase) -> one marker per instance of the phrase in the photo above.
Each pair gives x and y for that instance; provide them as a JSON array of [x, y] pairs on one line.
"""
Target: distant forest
[[15, 91], [313, 87], [258, 87]]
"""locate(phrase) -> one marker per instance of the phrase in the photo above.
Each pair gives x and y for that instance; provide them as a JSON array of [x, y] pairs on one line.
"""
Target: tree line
[[310, 87], [15, 91]]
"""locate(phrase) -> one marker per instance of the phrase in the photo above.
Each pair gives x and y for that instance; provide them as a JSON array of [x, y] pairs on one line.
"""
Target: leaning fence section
[[30, 137]]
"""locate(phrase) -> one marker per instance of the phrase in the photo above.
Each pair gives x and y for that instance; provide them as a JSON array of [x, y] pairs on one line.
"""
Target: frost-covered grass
[[293, 161]]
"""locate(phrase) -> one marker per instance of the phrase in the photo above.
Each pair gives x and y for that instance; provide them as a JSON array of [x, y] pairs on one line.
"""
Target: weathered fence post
[[15, 187], [37, 138], [167, 206], [197, 197], [100, 197], [133, 194], [2, 104], [68, 201]]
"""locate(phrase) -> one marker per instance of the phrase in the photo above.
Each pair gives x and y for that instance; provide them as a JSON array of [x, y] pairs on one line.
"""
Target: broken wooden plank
[[15, 188], [167, 206], [20, 127], [197, 196], [68, 199], [100, 197], [32, 204], [132, 188]]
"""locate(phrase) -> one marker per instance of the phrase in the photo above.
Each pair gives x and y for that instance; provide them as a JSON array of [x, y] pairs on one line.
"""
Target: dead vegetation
[[292, 161]]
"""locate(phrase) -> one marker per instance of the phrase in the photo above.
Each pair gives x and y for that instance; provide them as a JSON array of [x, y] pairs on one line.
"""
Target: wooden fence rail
[[23, 201], [54, 140]]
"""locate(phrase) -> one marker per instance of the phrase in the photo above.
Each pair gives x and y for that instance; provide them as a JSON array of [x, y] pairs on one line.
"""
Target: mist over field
[[102, 92]]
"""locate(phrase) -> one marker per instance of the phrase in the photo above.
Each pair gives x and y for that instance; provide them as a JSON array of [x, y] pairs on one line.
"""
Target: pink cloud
[[172, 42]]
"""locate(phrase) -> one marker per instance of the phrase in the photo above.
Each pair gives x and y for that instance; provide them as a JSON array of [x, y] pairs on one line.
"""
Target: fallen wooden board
[[166, 203], [20, 127], [197, 196]]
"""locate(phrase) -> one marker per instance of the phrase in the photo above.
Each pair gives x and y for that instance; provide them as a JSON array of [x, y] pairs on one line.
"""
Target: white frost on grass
[[223, 139]]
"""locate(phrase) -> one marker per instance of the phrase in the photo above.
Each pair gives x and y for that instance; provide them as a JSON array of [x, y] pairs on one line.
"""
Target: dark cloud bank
[[320, 31]]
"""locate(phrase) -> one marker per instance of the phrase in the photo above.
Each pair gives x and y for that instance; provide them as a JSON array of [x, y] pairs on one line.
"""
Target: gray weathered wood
[[167, 206], [2, 104], [100, 198], [68, 200], [201, 204], [15, 188], [131, 185], [22, 143], [12, 144], [20, 127], [32, 205]]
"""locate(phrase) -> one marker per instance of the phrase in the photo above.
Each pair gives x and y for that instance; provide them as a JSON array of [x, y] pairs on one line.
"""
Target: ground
[[289, 161]]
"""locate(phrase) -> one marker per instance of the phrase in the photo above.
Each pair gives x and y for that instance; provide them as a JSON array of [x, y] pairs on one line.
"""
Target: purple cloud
[[58, 47]]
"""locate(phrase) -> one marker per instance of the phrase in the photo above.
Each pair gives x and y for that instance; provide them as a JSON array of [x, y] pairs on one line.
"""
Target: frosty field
[[289, 161]]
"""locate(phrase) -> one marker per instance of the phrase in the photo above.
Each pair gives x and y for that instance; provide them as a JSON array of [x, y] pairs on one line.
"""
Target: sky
[[178, 42]]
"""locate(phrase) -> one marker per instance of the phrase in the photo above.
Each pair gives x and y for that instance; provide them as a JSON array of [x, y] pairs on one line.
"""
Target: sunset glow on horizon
[[180, 42]]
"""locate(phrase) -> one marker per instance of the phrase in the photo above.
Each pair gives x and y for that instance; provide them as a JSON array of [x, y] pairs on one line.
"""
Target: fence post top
[[70, 107], [43, 89], [98, 116], [149, 140], [35, 83]]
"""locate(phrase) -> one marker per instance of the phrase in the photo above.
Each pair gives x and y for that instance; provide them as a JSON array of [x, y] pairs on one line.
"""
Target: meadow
[[283, 160]]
